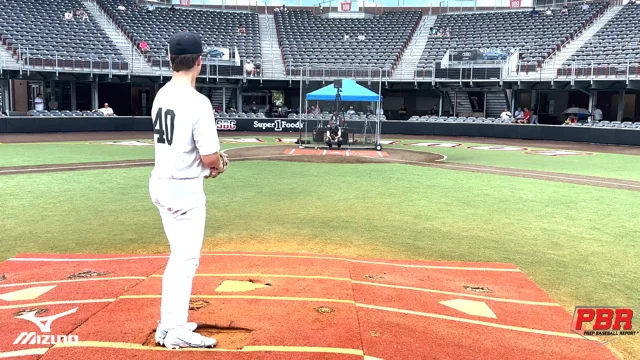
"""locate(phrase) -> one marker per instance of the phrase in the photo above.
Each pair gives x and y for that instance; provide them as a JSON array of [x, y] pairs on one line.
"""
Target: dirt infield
[[286, 306], [397, 156], [94, 136]]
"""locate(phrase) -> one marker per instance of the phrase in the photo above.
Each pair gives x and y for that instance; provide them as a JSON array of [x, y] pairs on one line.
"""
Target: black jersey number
[[163, 125]]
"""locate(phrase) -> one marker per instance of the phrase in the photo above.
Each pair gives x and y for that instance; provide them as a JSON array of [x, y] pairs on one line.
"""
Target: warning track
[[289, 306]]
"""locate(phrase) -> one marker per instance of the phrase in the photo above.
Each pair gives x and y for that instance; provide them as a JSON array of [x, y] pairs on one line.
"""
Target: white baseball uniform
[[184, 129]]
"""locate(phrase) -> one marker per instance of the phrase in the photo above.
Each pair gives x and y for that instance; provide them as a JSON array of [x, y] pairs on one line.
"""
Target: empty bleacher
[[36, 32], [317, 42], [611, 49], [217, 28], [536, 36]]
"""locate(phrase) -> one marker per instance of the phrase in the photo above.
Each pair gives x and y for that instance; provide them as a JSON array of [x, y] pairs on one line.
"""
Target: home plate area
[[283, 306], [341, 152]]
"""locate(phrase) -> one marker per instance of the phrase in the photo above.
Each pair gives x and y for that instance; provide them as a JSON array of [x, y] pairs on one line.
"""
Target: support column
[[514, 95], [440, 103], [224, 97], [593, 100], [238, 100], [74, 105], [534, 99], [455, 104], [94, 96], [6, 97], [620, 105]]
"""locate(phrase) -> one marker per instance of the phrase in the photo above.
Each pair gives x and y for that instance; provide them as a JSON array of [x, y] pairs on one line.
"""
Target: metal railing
[[331, 72]]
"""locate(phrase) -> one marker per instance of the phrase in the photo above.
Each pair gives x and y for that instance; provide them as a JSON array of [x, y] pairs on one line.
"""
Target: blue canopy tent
[[350, 91]]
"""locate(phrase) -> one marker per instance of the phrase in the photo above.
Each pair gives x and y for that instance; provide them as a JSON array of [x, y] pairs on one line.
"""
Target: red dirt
[[280, 316]]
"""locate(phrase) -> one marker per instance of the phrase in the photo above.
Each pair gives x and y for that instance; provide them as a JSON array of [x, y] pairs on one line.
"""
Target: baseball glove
[[213, 173]]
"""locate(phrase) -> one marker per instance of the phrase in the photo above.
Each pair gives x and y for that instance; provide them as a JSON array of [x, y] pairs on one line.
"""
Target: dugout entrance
[[359, 131]]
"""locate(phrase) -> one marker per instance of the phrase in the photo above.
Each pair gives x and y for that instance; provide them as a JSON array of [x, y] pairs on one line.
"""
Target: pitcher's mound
[[344, 155]]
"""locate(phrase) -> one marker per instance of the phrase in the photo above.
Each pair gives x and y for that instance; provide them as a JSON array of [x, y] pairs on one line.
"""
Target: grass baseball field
[[575, 237]]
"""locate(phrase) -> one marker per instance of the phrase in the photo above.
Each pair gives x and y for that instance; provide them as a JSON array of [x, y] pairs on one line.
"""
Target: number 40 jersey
[[184, 128]]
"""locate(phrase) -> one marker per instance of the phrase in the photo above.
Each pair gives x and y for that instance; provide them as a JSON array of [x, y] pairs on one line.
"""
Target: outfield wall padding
[[615, 136]]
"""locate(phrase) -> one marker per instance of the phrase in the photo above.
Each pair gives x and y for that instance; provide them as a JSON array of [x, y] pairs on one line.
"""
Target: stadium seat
[[614, 47], [536, 37], [37, 33], [317, 42], [217, 29]]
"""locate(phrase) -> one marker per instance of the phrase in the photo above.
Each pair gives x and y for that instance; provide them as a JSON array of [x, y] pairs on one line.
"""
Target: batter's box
[[318, 152]]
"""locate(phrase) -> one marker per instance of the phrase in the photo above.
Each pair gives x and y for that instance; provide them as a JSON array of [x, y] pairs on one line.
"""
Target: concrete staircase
[[464, 105], [137, 62], [549, 68], [496, 102], [409, 61], [272, 64], [215, 95], [7, 61]]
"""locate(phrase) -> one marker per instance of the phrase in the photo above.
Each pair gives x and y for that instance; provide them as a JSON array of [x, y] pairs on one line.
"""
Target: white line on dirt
[[75, 167]]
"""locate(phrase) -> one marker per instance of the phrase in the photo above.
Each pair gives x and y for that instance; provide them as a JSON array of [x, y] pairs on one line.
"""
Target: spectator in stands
[[597, 114], [447, 32], [106, 110], [253, 108], [68, 15], [150, 8], [506, 114], [402, 112], [548, 11], [351, 112], [242, 30], [533, 11], [381, 111], [361, 37], [526, 118], [38, 103], [434, 110], [232, 110], [219, 108], [369, 111], [585, 6], [572, 119], [534, 116], [257, 67], [433, 31], [53, 104], [136, 7], [346, 37], [121, 7], [564, 11], [83, 15], [172, 9], [284, 8], [144, 47], [249, 68], [519, 115]]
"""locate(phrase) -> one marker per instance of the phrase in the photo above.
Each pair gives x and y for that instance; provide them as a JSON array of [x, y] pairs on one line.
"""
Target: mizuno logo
[[44, 323]]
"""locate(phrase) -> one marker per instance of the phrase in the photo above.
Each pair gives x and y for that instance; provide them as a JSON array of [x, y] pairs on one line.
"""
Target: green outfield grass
[[607, 165]]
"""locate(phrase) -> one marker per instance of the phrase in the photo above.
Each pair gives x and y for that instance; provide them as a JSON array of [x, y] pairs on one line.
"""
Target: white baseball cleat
[[183, 338], [161, 333]]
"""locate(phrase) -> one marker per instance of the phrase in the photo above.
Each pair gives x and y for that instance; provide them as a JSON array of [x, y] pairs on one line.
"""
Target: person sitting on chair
[[334, 134]]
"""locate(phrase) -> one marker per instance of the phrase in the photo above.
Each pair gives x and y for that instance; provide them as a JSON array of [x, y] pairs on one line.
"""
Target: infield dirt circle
[[323, 155]]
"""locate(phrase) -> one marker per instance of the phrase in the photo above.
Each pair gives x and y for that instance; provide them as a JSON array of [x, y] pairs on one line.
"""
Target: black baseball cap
[[185, 43]]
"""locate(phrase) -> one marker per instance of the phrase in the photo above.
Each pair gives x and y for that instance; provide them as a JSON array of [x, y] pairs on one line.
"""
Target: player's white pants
[[182, 206]]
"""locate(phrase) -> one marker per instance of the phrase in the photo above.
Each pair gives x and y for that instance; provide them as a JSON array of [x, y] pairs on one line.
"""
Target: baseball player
[[187, 150], [334, 134]]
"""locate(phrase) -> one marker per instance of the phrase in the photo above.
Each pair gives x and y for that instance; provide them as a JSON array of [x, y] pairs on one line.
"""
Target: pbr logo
[[603, 321], [226, 124], [44, 324]]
